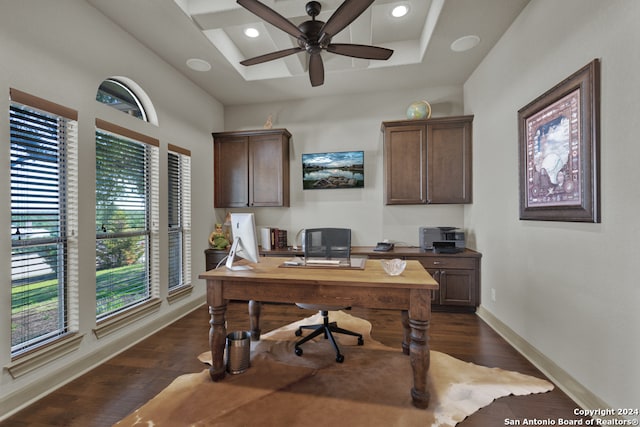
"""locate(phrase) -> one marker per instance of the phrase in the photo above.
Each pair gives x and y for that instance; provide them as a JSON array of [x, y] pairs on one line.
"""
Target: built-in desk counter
[[458, 274]]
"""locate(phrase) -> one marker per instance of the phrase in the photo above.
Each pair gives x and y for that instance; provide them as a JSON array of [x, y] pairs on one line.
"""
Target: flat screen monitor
[[245, 242]]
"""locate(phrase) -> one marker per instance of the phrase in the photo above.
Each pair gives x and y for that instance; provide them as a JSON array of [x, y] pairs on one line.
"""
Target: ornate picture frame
[[558, 133]]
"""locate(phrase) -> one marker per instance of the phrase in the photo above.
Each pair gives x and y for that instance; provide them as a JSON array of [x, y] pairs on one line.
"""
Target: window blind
[[124, 221], [43, 190], [179, 213]]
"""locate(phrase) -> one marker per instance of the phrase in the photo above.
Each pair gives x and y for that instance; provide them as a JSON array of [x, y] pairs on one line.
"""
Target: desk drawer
[[446, 262]]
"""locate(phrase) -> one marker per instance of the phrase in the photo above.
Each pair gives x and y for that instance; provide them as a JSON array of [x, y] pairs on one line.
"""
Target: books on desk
[[272, 238]]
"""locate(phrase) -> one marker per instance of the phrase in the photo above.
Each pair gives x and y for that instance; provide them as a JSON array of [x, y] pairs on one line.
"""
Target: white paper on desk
[[265, 236]]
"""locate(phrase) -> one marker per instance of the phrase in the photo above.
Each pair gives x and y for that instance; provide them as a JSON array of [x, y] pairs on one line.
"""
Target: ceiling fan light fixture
[[314, 36], [465, 43], [400, 11], [198, 64], [251, 32]]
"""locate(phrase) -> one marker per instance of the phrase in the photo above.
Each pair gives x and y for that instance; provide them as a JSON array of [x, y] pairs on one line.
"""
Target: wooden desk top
[[270, 270]]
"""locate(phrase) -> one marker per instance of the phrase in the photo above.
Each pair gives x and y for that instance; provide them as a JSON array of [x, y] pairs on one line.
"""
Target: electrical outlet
[[493, 294]]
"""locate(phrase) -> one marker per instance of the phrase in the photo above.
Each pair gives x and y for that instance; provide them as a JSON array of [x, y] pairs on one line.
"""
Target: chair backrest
[[329, 243]]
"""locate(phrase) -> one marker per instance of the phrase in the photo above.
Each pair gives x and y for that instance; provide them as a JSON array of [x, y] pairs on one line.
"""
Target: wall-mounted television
[[339, 169]]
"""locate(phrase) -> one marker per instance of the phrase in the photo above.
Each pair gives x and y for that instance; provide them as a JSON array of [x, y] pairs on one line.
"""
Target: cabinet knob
[[436, 263]]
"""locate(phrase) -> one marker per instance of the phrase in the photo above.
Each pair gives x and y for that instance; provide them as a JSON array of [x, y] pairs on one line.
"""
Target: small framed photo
[[560, 150]]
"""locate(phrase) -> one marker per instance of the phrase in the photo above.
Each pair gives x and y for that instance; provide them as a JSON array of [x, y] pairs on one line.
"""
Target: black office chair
[[326, 244]]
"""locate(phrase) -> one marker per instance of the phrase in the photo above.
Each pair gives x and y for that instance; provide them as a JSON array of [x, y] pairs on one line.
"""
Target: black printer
[[441, 239]]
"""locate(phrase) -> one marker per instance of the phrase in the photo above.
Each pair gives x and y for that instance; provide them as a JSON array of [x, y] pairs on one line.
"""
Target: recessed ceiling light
[[197, 64], [251, 32], [465, 43], [400, 11]]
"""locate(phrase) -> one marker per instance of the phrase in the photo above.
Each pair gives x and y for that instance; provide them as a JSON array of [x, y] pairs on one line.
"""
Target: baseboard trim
[[576, 391], [20, 399]]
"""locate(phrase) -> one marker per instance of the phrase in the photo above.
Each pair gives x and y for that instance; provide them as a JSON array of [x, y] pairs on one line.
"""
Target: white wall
[[344, 123], [62, 51], [570, 290]]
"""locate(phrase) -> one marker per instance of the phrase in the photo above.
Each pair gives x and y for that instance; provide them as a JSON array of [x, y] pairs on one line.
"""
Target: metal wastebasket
[[238, 352]]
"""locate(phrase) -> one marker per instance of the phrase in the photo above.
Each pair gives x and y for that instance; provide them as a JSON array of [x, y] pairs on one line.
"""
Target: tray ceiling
[[213, 31]]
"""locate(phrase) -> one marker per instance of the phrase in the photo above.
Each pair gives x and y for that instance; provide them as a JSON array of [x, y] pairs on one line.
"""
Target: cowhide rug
[[371, 388]]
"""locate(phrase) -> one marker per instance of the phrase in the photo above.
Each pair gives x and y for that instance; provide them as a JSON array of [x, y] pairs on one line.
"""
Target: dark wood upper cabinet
[[405, 164], [428, 161], [251, 168]]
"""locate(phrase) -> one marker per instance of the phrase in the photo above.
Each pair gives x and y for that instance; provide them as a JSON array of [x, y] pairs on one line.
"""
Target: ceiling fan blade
[[271, 56], [316, 69], [272, 17], [360, 51], [343, 16]]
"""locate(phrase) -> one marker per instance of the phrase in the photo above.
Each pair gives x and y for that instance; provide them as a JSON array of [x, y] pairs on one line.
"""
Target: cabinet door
[[457, 276], [213, 257], [405, 165], [457, 287], [230, 168], [449, 162], [268, 170]]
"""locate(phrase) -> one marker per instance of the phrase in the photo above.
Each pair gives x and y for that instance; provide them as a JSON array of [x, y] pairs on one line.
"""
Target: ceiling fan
[[315, 36]]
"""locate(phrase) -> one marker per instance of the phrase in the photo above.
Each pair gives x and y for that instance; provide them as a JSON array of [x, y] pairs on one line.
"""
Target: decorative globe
[[419, 110]]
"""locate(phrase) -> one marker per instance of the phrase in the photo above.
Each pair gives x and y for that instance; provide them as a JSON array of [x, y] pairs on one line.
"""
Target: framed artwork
[[560, 150], [341, 169]]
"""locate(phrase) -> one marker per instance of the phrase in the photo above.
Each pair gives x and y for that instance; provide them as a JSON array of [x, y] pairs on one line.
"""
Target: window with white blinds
[[43, 221], [179, 216], [126, 218]]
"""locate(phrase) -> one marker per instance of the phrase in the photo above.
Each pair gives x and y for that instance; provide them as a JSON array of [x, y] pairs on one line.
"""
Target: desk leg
[[254, 319], [406, 332], [218, 329], [419, 317]]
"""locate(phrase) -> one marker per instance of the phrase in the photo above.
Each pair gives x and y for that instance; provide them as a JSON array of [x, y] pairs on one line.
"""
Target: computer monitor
[[327, 246], [245, 242]]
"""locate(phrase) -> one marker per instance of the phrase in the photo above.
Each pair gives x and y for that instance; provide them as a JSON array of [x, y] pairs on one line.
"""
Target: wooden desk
[[458, 274], [369, 288]]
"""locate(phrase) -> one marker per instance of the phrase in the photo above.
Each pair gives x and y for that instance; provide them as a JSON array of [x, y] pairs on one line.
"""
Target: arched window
[[127, 211], [125, 95]]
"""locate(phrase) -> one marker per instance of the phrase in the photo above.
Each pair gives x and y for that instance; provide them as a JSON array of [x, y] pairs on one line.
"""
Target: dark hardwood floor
[[117, 387]]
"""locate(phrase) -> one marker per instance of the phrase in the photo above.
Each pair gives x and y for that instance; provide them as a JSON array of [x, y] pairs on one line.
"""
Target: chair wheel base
[[326, 329]]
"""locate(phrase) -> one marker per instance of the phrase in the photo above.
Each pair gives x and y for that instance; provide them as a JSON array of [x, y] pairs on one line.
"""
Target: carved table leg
[[419, 317], [406, 332], [254, 319], [420, 360], [217, 338]]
